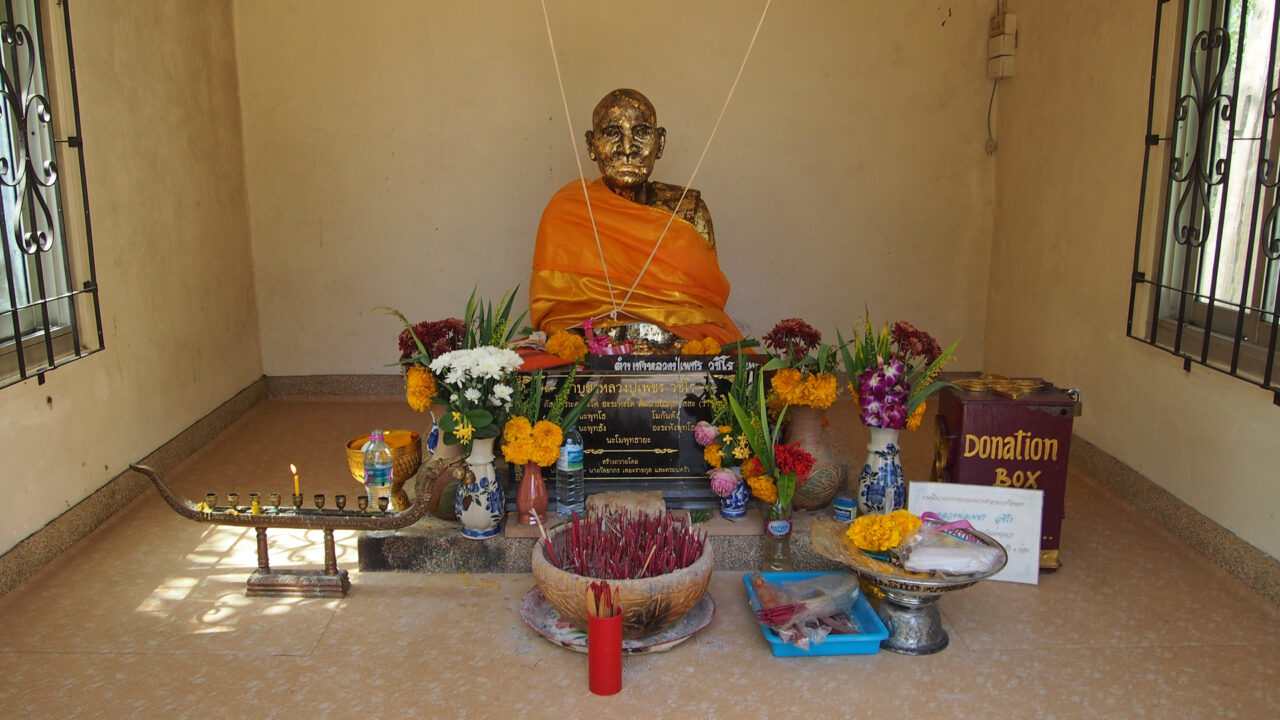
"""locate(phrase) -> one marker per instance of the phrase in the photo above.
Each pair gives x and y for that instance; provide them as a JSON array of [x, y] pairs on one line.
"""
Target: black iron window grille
[[49, 313], [1206, 264]]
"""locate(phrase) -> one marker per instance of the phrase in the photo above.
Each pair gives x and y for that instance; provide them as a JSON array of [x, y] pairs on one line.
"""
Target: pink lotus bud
[[705, 433], [723, 482]]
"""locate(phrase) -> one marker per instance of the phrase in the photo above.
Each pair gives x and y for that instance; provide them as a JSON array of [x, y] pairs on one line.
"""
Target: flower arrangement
[[776, 470], [477, 385], [724, 444], [803, 377], [530, 437], [878, 533], [420, 344], [892, 372], [477, 380]]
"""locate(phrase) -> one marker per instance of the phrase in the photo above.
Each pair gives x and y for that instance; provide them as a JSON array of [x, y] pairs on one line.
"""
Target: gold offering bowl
[[648, 604], [406, 456]]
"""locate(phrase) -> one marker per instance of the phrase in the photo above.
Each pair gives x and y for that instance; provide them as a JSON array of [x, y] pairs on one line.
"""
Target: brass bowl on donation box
[[406, 456], [648, 604]]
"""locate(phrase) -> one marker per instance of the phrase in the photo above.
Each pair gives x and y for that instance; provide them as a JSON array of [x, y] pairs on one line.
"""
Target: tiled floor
[[147, 618]]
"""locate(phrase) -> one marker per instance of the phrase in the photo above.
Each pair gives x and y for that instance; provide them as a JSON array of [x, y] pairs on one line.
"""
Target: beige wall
[[160, 120], [1068, 174], [401, 154]]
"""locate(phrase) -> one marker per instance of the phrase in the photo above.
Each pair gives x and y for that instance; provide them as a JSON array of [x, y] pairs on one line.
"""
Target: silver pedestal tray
[[910, 605]]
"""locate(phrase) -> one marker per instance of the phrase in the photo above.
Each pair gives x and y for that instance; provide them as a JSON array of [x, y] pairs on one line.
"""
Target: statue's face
[[625, 141]]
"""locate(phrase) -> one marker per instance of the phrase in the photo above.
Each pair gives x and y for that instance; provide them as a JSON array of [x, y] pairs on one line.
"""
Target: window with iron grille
[[49, 313], [1207, 259]]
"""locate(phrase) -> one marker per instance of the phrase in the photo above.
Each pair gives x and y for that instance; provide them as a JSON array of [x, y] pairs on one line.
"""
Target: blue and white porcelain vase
[[735, 506], [881, 488], [480, 502]]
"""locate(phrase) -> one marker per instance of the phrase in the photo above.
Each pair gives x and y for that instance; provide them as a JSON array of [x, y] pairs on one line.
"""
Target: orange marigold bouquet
[[804, 365], [530, 437]]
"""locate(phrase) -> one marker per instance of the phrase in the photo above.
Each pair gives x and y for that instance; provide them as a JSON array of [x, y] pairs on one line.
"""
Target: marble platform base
[[438, 547], [292, 582]]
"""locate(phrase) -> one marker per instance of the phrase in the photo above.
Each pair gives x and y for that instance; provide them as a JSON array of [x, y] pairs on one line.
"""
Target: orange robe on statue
[[683, 290]]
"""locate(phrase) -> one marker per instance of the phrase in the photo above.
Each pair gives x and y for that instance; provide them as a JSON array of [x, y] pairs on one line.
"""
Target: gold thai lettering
[[1021, 445]]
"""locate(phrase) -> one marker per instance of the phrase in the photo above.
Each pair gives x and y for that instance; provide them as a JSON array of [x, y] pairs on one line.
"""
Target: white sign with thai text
[[1009, 515]]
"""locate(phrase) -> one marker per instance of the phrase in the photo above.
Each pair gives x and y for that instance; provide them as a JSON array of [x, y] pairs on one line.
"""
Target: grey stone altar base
[[437, 546]]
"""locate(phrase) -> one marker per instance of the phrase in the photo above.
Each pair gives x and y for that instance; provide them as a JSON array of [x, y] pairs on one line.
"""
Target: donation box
[[1009, 436]]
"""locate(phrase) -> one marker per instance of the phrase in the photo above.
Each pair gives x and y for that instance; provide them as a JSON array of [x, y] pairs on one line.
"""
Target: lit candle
[[297, 489]]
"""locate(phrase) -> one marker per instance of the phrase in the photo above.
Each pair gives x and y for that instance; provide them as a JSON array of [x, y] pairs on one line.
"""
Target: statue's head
[[625, 140]]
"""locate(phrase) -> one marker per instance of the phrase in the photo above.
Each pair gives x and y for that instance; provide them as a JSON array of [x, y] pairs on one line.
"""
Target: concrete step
[[437, 546]]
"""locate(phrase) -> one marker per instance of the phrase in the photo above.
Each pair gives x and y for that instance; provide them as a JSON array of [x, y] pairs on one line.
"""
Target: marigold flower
[[917, 417], [420, 387], [704, 346], [878, 533], [752, 466], [516, 429], [566, 345], [762, 487], [713, 454]]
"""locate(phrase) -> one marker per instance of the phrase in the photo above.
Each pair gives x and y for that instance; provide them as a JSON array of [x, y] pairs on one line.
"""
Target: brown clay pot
[[828, 474]]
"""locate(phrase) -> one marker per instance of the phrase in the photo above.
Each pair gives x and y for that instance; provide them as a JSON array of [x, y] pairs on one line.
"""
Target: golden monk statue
[[681, 290]]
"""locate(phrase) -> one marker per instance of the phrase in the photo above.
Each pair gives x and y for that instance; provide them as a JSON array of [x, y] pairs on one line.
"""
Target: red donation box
[[1009, 435]]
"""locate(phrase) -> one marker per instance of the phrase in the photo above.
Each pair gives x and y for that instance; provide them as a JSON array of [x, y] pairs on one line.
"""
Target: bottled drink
[[570, 483], [377, 469]]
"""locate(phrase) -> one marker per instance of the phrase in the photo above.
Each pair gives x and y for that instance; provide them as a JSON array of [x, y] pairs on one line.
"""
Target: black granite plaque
[[637, 430]]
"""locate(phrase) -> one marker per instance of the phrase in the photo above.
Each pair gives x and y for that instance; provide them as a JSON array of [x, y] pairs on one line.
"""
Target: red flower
[[915, 343], [752, 467], [793, 336], [793, 459], [437, 336]]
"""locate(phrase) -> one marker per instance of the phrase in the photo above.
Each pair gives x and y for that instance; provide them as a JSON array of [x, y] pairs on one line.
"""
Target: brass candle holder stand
[[330, 582]]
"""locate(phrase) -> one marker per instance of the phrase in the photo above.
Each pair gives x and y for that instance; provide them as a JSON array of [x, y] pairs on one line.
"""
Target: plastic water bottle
[[377, 469], [571, 486]]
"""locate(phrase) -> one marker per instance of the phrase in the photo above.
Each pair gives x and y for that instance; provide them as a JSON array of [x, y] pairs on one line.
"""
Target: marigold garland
[[419, 387], [566, 345], [878, 533]]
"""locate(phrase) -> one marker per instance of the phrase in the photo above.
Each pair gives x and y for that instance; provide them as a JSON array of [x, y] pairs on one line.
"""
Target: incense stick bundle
[[602, 601]]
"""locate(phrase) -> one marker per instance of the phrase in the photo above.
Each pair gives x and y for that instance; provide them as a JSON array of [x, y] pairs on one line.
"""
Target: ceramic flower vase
[[735, 506], [776, 539], [531, 496], [881, 488], [480, 502], [828, 474]]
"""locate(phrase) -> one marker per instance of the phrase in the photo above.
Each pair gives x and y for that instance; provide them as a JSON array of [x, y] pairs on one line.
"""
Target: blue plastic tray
[[865, 643]]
